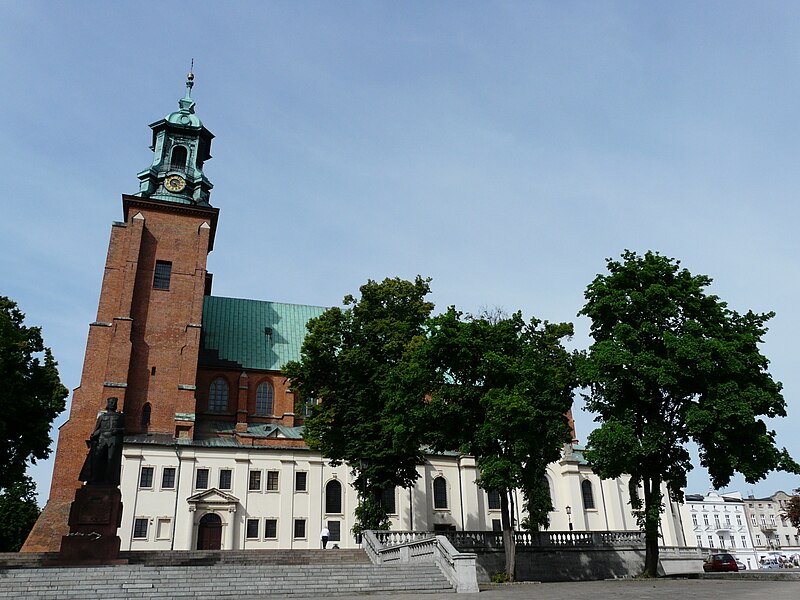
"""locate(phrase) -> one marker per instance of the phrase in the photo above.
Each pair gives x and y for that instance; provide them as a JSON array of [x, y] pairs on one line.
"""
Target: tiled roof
[[253, 334]]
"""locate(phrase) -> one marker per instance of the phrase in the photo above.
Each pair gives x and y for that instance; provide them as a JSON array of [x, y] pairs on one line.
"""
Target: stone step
[[221, 580]]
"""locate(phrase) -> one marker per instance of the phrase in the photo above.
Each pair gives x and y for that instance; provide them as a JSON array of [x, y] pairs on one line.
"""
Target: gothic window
[[218, 396], [588, 494], [146, 410], [162, 275], [440, 493], [333, 497], [178, 158], [264, 399]]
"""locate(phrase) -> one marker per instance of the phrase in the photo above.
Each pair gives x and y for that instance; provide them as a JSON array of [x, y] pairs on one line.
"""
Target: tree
[[31, 395], [792, 511], [347, 362], [18, 513], [671, 363], [499, 389]]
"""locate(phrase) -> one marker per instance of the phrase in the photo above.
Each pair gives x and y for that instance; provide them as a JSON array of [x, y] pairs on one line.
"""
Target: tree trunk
[[652, 508], [508, 536]]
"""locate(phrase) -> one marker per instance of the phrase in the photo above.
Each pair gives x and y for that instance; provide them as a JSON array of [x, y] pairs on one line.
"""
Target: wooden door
[[209, 532]]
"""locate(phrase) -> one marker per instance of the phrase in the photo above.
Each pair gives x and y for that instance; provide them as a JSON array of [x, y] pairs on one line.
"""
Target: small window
[[440, 493], [252, 528], [146, 477], [333, 497], [335, 530], [588, 494], [272, 481], [254, 484], [225, 477], [299, 529], [388, 500], [146, 410], [140, 529], [270, 529], [218, 396], [493, 499], [162, 275], [201, 481], [163, 529], [178, 158], [301, 481], [264, 399], [497, 525], [168, 478], [308, 406]]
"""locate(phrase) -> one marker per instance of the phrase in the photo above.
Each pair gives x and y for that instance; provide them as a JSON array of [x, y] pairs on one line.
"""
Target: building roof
[[253, 334]]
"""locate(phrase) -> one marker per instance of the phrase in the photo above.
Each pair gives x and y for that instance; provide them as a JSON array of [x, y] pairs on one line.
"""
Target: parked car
[[721, 561], [769, 563], [741, 565]]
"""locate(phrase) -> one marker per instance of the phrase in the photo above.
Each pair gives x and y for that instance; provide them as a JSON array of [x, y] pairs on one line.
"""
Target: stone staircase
[[215, 574]]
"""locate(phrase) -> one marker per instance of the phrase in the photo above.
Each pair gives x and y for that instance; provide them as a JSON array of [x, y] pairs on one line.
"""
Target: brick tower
[[143, 346]]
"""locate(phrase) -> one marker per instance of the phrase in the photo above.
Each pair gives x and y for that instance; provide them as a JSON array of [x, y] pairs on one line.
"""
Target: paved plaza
[[661, 589]]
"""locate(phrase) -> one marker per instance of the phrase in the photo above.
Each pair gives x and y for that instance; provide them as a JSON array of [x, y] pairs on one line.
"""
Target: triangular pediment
[[212, 496]]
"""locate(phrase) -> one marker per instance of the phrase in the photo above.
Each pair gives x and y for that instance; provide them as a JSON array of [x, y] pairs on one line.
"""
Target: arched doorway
[[209, 532]]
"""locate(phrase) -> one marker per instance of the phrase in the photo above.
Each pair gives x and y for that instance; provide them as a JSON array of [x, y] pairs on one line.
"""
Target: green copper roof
[[253, 334]]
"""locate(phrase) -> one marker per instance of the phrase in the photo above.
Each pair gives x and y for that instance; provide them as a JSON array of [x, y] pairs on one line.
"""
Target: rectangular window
[[168, 478], [225, 477], [389, 500], [710, 542], [335, 529], [272, 481], [140, 529], [699, 542], [254, 484], [772, 520], [162, 275], [739, 520], [744, 541], [497, 525], [162, 529], [270, 529], [146, 477], [493, 497], [201, 481], [694, 519], [753, 520], [758, 539], [299, 529], [252, 528], [300, 481]]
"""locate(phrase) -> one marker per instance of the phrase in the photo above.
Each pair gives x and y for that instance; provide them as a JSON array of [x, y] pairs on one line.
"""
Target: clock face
[[175, 183]]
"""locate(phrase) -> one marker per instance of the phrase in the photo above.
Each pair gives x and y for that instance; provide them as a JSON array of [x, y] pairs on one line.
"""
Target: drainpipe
[[177, 494], [460, 494]]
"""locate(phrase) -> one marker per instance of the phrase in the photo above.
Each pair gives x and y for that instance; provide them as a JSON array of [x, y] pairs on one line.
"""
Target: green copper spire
[[181, 145]]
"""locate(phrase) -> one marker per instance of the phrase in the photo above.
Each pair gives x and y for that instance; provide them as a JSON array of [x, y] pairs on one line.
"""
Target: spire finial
[[190, 80]]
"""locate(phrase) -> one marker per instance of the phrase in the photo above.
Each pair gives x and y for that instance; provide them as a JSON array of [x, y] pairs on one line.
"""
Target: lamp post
[[569, 516]]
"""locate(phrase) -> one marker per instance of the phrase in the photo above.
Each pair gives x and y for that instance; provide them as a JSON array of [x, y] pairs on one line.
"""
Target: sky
[[504, 149]]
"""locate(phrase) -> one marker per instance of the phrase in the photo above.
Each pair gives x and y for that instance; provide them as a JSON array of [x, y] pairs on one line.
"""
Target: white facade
[[280, 498], [772, 533]]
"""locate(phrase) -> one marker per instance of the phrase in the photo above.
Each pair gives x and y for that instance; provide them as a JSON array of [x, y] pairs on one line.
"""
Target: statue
[[104, 461]]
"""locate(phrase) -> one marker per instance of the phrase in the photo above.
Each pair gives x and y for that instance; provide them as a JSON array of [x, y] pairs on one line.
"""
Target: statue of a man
[[104, 460]]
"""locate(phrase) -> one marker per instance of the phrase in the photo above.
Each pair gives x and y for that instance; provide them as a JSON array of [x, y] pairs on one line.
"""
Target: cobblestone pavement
[[662, 589]]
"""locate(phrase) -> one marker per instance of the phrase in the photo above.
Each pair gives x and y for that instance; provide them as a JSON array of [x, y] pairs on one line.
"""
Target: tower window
[[146, 410], [162, 275], [178, 158], [264, 399]]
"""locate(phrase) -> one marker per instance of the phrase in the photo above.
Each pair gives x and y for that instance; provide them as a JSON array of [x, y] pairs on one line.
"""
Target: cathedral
[[213, 454]]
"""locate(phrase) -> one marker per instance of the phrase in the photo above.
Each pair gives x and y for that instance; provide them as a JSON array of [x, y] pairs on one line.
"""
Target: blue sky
[[504, 149]]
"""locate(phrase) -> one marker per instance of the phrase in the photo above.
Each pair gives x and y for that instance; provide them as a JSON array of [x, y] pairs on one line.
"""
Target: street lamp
[[569, 516]]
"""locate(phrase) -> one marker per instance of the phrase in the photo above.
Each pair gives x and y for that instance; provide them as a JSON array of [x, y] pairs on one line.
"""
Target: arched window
[[178, 157], [333, 497], [545, 483], [588, 494], [439, 493], [218, 396], [264, 399], [146, 410]]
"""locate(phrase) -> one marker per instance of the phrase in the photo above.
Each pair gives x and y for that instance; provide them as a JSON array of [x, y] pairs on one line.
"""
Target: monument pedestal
[[94, 517]]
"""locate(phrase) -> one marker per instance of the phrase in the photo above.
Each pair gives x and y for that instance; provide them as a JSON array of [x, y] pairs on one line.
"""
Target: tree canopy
[[31, 394], [792, 511], [499, 389], [347, 362], [672, 363], [18, 513]]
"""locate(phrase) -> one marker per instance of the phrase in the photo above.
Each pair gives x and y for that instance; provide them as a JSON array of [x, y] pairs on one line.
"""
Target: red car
[[720, 562]]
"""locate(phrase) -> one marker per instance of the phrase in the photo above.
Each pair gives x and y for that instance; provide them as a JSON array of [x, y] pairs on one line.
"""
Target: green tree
[[31, 395], [347, 362], [18, 513], [671, 363], [499, 389], [792, 511]]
